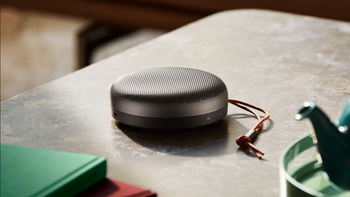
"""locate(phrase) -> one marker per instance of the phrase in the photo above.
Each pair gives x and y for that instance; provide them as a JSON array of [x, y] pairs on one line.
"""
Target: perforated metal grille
[[169, 85]]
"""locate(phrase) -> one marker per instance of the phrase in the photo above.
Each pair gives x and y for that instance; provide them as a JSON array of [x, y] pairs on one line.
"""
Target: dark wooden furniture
[[171, 14]]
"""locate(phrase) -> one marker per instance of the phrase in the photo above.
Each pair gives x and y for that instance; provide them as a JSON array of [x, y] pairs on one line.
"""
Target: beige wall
[[35, 48]]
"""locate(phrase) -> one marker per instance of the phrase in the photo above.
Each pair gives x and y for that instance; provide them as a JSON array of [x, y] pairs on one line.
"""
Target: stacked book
[[40, 172]]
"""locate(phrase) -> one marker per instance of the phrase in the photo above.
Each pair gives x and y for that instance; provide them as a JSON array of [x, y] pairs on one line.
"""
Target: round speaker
[[169, 98]]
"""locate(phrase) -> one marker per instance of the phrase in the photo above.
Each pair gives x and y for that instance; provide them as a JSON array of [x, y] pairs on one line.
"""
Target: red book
[[113, 188]]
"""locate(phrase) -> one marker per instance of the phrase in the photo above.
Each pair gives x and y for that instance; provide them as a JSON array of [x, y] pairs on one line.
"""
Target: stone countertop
[[274, 60]]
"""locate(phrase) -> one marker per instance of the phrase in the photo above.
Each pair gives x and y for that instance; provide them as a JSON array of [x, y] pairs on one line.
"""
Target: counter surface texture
[[274, 60]]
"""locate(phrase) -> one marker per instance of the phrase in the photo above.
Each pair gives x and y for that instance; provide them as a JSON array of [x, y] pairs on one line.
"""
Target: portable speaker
[[169, 98]]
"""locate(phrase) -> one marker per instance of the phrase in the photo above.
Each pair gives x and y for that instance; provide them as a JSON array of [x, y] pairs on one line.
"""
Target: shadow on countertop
[[215, 139], [201, 141]]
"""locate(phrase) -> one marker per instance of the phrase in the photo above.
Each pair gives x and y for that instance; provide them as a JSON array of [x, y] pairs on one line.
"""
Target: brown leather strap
[[245, 140]]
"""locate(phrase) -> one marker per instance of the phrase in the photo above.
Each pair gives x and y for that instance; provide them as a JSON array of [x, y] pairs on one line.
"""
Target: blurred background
[[44, 40]]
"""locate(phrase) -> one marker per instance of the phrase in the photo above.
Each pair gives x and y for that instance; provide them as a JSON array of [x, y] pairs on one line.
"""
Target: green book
[[39, 172]]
